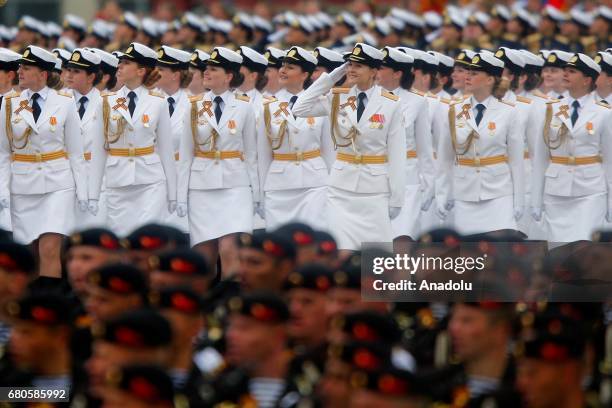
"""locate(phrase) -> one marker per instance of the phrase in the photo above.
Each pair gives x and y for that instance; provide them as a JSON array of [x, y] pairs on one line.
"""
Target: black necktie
[[132, 103], [480, 108], [35, 106], [576, 105], [292, 102], [361, 105], [171, 105], [560, 97], [218, 110], [82, 101]]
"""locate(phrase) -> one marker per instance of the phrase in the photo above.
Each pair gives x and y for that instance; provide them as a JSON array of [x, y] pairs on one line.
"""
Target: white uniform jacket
[[149, 126], [590, 136], [379, 133], [500, 133], [299, 135], [56, 130], [234, 132]]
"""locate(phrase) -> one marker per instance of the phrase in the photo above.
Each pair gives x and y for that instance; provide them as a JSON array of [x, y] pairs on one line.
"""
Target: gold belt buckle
[[217, 155], [131, 152], [38, 157], [571, 160], [299, 156], [358, 158], [477, 161]]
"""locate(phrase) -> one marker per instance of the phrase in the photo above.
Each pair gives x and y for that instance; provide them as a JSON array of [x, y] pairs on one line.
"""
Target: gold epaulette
[[339, 90], [562, 39], [107, 93], [196, 98], [444, 100], [153, 93], [540, 94], [551, 101], [416, 91], [66, 94], [604, 105], [588, 40], [269, 99], [507, 103], [430, 95], [533, 38], [243, 98], [523, 99], [389, 95], [13, 94]]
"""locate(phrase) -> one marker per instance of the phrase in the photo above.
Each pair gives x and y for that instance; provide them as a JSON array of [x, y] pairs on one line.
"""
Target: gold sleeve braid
[[453, 133], [275, 142], [561, 133], [351, 135], [9, 129], [110, 138], [194, 130]]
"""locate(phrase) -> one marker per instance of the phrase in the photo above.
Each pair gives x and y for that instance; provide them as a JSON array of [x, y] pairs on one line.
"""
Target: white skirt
[[180, 223], [355, 218], [216, 213], [574, 218], [5, 219], [535, 230], [407, 223], [36, 214], [474, 217], [307, 205], [131, 207], [85, 220]]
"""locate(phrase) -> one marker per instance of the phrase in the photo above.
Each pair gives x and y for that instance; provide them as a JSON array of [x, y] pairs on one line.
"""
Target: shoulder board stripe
[[195, 98], [156, 94], [269, 100], [507, 103], [67, 95], [103, 94], [414, 91], [444, 100], [389, 95], [340, 90], [243, 98], [523, 99], [604, 105]]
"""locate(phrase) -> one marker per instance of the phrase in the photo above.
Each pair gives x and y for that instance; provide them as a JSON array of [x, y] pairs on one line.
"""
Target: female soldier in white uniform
[[41, 160], [480, 156], [218, 180], [367, 179], [173, 68], [575, 155], [140, 169], [9, 79], [395, 75], [82, 74], [294, 153]]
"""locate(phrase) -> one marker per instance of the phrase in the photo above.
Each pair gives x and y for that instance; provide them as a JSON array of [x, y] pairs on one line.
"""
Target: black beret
[[271, 243], [181, 261], [368, 326], [97, 237], [299, 233], [43, 307], [262, 306], [148, 383], [15, 257], [326, 244], [310, 276], [136, 329], [447, 236], [551, 337], [180, 299], [119, 278], [368, 356], [150, 237], [388, 380]]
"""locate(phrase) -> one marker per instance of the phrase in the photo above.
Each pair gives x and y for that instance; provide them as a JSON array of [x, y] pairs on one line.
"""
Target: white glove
[[260, 209], [609, 215], [428, 199], [171, 206], [441, 212], [518, 213], [536, 213], [181, 209], [83, 205], [339, 72], [92, 207], [394, 212], [4, 203], [449, 205]]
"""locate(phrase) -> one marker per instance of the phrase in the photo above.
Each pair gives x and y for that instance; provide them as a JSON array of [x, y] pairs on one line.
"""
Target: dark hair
[[407, 79], [151, 76], [532, 82], [54, 81], [262, 81], [500, 87], [237, 78], [97, 78], [514, 83], [434, 81], [448, 86], [186, 77], [112, 81]]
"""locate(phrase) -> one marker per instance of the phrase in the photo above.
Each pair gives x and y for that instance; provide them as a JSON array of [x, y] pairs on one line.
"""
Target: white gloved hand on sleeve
[[171, 206], [83, 205], [92, 207], [181, 209]]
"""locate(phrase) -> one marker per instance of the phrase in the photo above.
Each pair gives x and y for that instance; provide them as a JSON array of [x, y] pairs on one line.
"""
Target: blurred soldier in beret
[[40, 338], [265, 261], [180, 267], [303, 237], [114, 289], [137, 337], [150, 239], [138, 386], [87, 250]]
